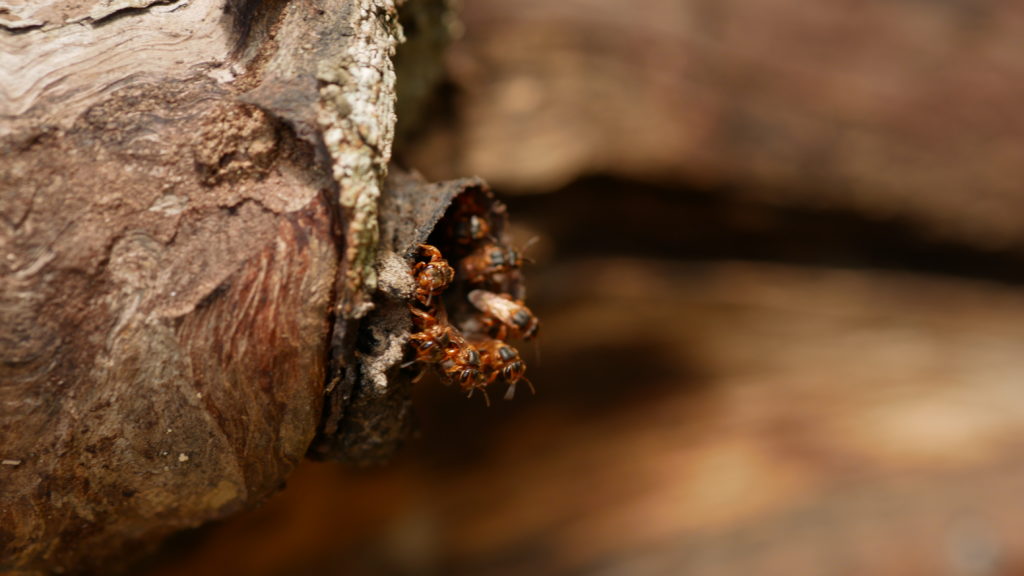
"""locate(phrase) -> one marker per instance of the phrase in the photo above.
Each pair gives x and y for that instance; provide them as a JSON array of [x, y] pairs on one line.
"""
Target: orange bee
[[494, 266], [433, 339], [505, 317], [433, 276], [480, 265], [438, 343], [500, 360]]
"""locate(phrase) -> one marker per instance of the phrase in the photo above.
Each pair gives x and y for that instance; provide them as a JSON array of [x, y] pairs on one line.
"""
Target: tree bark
[[189, 217]]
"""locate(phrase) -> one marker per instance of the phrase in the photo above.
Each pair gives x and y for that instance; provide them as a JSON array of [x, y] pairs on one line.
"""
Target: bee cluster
[[464, 314]]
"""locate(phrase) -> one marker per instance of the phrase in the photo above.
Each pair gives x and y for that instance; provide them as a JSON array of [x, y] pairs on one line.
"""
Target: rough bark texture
[[162, 337], [188, 201]]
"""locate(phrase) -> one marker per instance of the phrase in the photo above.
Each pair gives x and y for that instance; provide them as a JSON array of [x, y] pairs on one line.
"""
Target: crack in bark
[[107, 12]]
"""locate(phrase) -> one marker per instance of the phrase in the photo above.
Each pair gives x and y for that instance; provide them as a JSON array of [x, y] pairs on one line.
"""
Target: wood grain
[[169, 337], [67, 54], [171, 259], [892, 110]]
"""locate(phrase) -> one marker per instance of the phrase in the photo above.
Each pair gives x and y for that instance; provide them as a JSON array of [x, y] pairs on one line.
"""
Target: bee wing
[[496, 305]]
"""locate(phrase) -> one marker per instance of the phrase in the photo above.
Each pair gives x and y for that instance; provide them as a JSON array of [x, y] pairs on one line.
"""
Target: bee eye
[[521, 318], [506, 353], [472, 357]]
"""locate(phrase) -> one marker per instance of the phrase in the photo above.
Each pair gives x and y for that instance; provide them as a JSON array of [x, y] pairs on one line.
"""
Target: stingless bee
[[499, 360], [433, 276], [504, 317], [440, 344]]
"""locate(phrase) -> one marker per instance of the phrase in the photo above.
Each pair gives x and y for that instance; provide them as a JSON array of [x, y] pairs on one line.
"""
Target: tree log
[[893, 110], [189, 221]]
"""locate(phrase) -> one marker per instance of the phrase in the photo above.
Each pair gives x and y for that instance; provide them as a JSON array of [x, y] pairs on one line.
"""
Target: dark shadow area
[[585, 385], [596, 380], [603, 216]]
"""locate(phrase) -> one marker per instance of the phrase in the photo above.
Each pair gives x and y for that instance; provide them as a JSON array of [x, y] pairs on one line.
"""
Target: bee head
[[507, 353]]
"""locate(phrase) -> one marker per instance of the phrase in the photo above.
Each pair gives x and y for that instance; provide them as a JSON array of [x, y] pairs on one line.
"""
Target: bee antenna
[[530, 384]]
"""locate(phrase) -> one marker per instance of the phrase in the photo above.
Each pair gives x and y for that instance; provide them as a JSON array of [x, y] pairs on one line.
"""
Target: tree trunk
[[189, 217]]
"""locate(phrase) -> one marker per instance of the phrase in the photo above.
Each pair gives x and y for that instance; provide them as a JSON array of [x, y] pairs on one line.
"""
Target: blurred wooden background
[[780, 283]]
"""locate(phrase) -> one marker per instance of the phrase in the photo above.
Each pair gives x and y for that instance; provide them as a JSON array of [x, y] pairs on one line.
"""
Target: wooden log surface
[[188, 200], [170, 251], [158, 334], [898, 111]]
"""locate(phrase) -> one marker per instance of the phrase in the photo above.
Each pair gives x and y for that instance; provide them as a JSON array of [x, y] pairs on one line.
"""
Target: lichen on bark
[[356, 117]]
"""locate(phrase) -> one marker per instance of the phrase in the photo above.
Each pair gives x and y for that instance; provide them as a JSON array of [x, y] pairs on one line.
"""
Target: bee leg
[[487, 399], [445, 379], [419, 375], [530, 384]]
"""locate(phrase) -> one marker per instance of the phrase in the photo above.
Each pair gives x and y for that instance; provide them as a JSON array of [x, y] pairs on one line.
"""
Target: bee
[[433, 276], [489, 264], [440, 344], [494, 266], [502, 361], [473, 217], [462, 365], [471, 228], [432, 341], [503, 316], [484, 290]]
